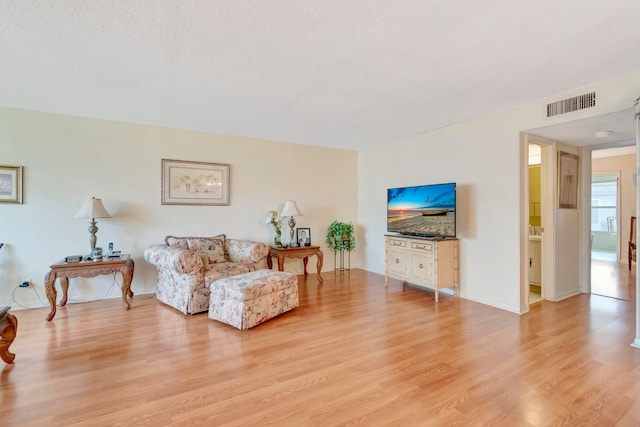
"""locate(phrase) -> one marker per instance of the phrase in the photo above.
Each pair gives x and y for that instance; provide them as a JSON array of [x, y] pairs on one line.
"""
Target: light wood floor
[[613, 279], [353, 353]]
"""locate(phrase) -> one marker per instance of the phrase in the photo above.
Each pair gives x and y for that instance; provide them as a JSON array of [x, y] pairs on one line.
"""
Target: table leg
[[319, 266], [127, 277], [281, 262], [50, 289], [8, 335], [269, 262], [305, 260], [64, 284]]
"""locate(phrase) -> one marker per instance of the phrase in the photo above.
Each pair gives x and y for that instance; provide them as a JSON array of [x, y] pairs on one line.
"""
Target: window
[[604, 202]]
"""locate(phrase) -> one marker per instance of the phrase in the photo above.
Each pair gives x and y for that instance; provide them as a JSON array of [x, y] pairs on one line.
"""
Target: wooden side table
[[65, 270], [9, 329], [303, 252]]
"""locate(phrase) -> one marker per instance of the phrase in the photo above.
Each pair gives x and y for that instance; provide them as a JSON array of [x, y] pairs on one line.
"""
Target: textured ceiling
[[335, 73]]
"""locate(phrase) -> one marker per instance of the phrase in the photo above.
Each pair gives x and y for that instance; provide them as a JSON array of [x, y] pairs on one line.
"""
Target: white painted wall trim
[[636, 342], [585, 221]]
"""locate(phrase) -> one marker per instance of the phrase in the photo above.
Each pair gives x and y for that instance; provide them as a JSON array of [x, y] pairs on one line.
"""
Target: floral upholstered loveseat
[[188, 265]]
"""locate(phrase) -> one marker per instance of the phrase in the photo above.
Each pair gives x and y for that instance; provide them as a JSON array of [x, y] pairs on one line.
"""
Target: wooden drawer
[[399, 243], [422, 246]]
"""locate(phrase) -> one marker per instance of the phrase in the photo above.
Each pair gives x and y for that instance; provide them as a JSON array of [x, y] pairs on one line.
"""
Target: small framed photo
[[194, 183], [303, 236], [11, 184], [568, 166]]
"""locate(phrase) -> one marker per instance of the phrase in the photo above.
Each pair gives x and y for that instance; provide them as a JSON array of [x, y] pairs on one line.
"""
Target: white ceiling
[[620, 126], [334, 73]]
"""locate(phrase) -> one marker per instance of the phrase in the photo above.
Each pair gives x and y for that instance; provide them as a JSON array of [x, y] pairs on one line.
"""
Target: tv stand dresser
[[428, 263]]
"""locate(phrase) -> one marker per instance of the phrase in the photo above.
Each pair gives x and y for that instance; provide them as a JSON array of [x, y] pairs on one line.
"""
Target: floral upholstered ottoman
[[248, 299]]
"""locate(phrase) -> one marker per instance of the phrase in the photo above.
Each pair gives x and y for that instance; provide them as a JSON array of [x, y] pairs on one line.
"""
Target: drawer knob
[[397, 261], [420, 266]]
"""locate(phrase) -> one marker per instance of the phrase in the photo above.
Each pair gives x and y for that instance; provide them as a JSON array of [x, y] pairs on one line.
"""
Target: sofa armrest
[[174, 258], [245, 251]]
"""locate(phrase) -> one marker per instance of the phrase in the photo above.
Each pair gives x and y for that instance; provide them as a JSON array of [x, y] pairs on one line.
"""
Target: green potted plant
[[340, 237]]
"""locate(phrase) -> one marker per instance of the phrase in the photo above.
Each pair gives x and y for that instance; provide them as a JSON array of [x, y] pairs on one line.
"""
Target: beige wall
[[67, 159], [625, 166]]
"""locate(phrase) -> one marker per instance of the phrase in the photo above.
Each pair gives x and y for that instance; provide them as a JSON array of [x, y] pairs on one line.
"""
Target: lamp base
[[292, 224], [93, 239]]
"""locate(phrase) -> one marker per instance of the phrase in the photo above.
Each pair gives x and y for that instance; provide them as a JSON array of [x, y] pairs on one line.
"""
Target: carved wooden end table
[[9, 329], [65, 270], [303, 252]]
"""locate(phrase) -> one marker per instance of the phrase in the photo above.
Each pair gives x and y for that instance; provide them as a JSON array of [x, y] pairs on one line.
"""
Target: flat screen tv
[[422, 210]]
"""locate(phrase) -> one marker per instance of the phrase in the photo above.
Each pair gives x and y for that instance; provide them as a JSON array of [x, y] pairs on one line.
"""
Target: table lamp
[[290, 209], [92, 208]]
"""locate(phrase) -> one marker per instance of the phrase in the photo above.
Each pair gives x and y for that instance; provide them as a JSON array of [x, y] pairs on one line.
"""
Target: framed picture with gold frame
[[194, 183], [568, 167], [10, 184]]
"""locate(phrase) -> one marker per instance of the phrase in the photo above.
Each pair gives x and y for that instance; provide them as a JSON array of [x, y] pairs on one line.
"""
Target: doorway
[[537, 220], [535, 223], [613, 201], [566, 259]]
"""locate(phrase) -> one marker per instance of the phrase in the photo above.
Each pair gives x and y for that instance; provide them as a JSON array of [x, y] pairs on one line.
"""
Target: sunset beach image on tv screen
[[426, 210]]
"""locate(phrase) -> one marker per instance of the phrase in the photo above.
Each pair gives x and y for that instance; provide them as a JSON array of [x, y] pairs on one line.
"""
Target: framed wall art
[[10, 184], [303, 236], [194, 183], [567, 180]]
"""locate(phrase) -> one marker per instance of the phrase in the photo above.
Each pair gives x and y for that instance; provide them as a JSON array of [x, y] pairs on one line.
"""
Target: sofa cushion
[[204, 256], [183, 242], [213, 247], [180, 242], [224, 269]]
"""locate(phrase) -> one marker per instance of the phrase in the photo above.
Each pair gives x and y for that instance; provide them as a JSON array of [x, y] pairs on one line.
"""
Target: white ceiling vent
[[577, 103]]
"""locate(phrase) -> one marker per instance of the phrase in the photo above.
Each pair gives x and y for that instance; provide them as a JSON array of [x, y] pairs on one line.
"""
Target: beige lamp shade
[[290, 209], [92, 208]]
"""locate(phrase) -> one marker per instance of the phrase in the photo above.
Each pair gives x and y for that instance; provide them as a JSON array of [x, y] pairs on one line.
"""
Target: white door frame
[[547, 194]]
